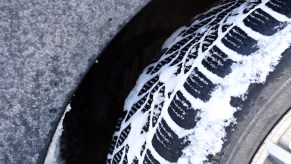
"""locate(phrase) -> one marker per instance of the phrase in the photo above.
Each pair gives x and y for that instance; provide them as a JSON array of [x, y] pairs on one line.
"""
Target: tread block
[[262, 22], [117, 156], [146, 127], [148, 104], [160, 64], [181, 112], [123, 135], [135, 160], [217, 62], [281, 6], [125, 160], [210, 38], [239, 41], [119, 121], [115, 137], [113, 143], [149, 158], [160, 54], [192, 55], [192, 30], [148, 85], [182, 52], [142, 148], [251, 5], [180, 48], [199, 86], [167, 143], [178, 45], [179, 69], [158, 108], [136, 106]]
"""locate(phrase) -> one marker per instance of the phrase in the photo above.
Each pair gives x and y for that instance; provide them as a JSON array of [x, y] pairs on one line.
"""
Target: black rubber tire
[[265, 104], [98, 102]]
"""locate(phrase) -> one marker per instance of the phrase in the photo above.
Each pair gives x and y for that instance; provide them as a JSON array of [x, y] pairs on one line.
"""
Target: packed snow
[[217, 113]]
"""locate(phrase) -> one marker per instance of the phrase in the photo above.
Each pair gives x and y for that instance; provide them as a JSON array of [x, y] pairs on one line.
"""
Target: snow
[[168, 74], [134, 137], [173, 38], [53, 154], [217, 113]]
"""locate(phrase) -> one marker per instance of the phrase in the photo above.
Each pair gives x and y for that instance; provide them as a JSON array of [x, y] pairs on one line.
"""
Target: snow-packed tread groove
[[213, 34], [146, 127], [251, 6], [210, 38], [158, 108], [199, 86], [178, 45], [148, 85], [263, 23], [135, 160], [181, 112], [148, 104], [167, 143], [161, 64], [240, 42], [179, 70], [281, 6], [149, 159], [208, 17], [191, 91], [195, 37], [136, 106], [192, 29], [123, 135], [125, 161], [182, 53], [167, 60], [142, 148], [117, 157], [191, 56], [218, 62]]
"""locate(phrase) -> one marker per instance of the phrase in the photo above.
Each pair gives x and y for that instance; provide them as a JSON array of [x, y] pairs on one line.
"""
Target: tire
[[215, 91], [265, 106]]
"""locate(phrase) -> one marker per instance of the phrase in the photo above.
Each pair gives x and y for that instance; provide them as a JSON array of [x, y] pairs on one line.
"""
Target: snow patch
[[173, 38], [218, 113], [53, 154], [168, 74], [135, 138]]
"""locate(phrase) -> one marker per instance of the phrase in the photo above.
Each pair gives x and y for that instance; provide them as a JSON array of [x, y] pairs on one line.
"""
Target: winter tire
[[219, 86]]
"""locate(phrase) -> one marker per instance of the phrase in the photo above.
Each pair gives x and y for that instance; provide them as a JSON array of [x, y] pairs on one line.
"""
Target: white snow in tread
[[168, 74], [134, 138], [173, 38], [217, 113]]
